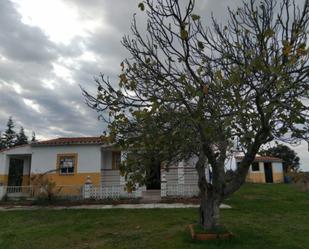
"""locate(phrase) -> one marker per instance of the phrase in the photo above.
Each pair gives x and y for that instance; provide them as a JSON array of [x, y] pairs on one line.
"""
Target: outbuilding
[[264, 169]]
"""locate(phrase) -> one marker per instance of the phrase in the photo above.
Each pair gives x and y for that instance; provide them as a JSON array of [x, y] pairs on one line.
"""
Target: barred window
[[67, 164]]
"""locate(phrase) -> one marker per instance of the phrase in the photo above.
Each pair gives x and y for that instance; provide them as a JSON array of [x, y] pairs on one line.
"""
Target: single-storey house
[[73, 162], [264, 169]]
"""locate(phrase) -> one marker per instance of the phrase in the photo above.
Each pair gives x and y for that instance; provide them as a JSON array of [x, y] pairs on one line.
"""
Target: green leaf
[[200, 45], [184, 34], [195, 17], [269, 32], [141, 6]]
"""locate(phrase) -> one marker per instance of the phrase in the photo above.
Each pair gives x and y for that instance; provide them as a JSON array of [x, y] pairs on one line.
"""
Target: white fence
[[111, 192], [182, 190], [97, 193]]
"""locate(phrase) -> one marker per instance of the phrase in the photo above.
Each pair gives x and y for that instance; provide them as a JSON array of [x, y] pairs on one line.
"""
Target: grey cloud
[[29, 61], [21, 42]]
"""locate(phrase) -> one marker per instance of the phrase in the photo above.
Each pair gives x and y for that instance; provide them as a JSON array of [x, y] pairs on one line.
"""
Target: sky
[[48, 48]]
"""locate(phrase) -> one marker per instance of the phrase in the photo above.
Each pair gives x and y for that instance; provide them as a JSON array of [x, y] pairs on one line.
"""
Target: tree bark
[[209, 213], [210, 201]]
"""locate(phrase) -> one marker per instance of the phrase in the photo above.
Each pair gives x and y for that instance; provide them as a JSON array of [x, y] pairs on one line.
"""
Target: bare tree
[[190, 89]]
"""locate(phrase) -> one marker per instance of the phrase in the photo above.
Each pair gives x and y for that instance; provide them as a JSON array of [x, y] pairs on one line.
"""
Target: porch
[[178, 181], [18, 182]]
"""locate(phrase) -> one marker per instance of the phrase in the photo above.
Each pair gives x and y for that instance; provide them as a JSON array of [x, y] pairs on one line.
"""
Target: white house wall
[[22, 150], [2, 164], [106, 159], [45, 158], [277, 167]]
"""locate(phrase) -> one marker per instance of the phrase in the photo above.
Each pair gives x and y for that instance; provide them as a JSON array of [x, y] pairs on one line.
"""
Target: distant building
[[264, 169]]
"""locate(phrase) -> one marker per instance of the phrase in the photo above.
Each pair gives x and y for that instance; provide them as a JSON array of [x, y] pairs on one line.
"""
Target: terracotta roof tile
[[262, 158], [71, 140]]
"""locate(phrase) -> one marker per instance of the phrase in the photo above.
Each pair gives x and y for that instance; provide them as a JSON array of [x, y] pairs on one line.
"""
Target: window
[[67, 164], [255, 166], [116, 159]]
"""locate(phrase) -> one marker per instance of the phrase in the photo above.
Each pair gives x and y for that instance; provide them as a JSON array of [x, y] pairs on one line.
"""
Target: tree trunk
[[210, 201], [209, 212]]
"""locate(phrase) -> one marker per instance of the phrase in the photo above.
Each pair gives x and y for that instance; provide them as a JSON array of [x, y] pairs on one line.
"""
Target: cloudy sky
[[50, 47]]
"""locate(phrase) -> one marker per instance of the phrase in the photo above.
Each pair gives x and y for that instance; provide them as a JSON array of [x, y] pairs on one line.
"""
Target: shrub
[[44, 187]]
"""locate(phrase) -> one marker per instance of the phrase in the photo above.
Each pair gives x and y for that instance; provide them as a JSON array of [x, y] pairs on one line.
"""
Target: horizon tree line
[[10, 138]]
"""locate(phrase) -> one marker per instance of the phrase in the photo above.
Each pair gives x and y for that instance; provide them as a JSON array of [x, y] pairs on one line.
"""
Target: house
[[78, 163], [264, 169], [73, 162]]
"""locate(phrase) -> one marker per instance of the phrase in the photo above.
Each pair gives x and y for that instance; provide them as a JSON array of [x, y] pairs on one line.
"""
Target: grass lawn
[[263, 216]]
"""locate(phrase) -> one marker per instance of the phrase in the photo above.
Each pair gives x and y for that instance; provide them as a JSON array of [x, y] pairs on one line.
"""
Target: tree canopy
[[290, 160], [21, 137], [9, 138], [191, 89]]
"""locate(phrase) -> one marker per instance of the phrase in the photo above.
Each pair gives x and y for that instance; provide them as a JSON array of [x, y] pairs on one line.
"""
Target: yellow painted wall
[[278, 177], [260, 177], [70, 185], [25, 181], [4, 179], [255, 177], [76, 179]]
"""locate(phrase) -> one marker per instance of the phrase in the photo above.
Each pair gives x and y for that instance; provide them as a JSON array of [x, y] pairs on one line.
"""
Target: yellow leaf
[[123, 78], [206, 89]]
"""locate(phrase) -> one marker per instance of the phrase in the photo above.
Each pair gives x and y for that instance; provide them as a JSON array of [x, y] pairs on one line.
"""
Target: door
[[268, 172], [153, 179], [16, 172]]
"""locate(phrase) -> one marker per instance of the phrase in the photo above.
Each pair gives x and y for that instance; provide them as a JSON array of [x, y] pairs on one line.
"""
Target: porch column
[[122, 180], [88, 188], [2, 191], [163, 184], [181, 178]]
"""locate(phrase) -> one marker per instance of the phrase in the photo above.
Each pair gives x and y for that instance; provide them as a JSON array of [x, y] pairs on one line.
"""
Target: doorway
[[153, 177], [268, 173], [16, 172]]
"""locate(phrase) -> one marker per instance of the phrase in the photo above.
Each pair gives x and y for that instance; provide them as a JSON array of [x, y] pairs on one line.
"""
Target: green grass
[[263, 216]]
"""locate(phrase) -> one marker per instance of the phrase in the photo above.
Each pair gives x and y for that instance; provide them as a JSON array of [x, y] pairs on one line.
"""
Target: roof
[[15, 147], [262, 159], [72, 141]]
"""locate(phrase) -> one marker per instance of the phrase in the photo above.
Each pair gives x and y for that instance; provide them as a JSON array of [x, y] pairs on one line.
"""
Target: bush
[[44, 188], [300, 179]]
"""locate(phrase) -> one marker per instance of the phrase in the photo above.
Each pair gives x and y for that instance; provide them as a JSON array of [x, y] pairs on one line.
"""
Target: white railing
[[35, 191], [18, 189], [182, 190], [111, 192]]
